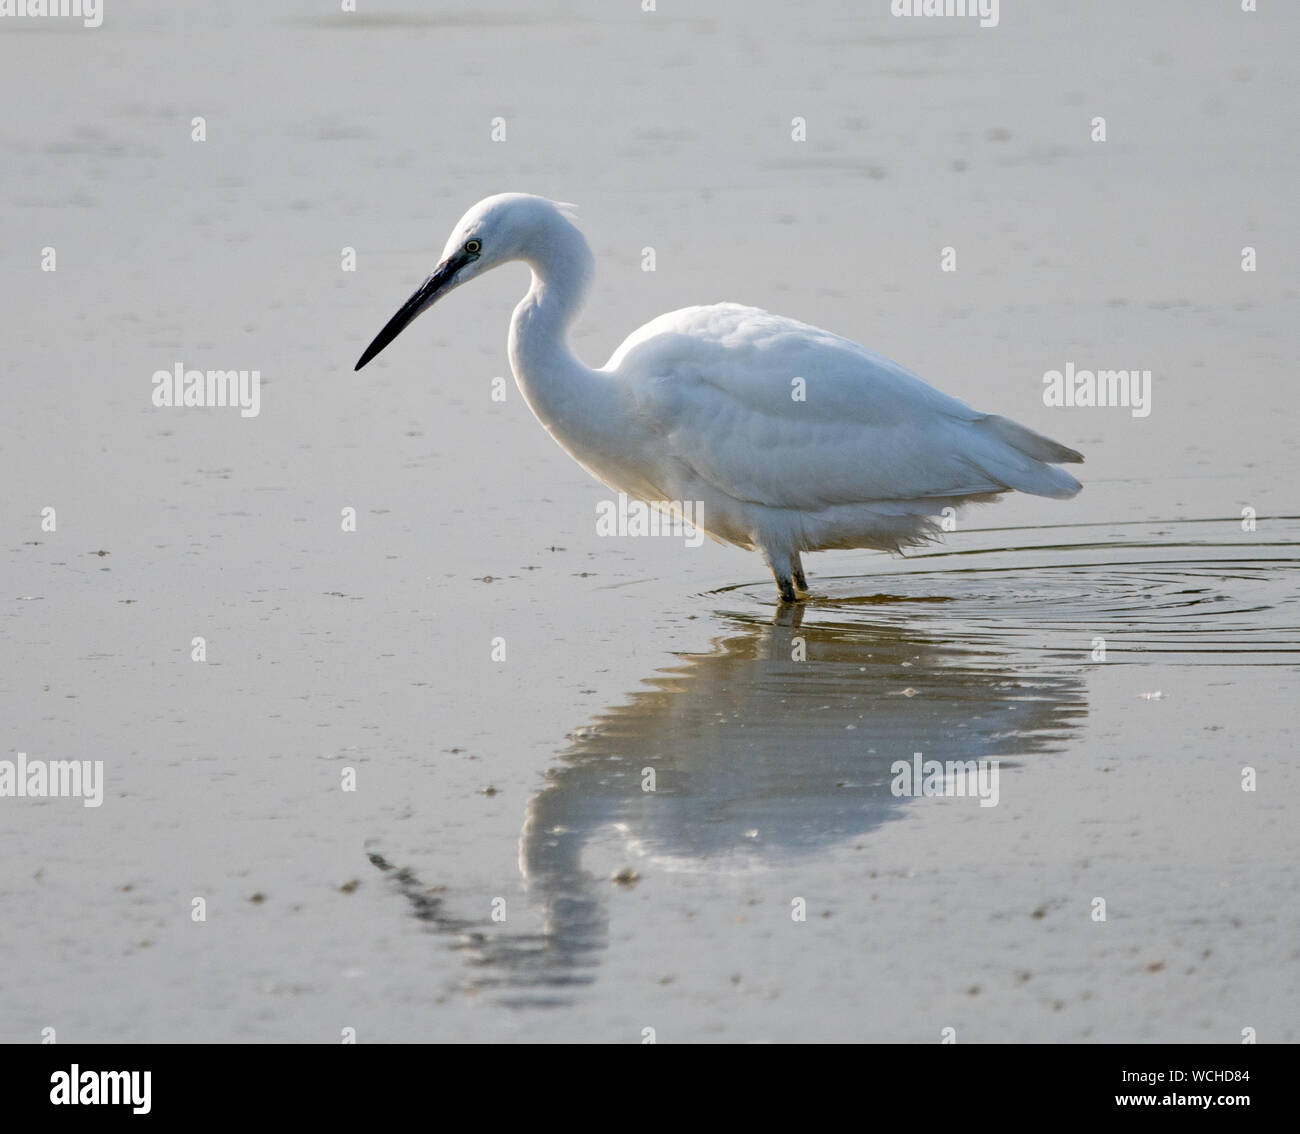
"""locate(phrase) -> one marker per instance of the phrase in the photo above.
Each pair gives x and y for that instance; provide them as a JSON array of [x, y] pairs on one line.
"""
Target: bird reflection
[[775, 744]]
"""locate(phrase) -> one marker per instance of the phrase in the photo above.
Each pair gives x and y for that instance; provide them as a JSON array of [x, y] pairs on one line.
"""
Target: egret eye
[[473, 245]]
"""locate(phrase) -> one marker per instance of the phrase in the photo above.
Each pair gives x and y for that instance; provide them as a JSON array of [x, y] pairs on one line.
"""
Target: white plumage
[[788, 437]]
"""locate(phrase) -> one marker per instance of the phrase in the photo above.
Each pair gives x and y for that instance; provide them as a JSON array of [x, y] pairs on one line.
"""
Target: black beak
[[425, 294]]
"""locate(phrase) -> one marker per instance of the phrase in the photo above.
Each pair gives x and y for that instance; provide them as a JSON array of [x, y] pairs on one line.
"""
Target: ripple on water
[[1146, 589]]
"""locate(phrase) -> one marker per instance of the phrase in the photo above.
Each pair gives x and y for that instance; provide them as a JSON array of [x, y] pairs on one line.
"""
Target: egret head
[[509, 226]]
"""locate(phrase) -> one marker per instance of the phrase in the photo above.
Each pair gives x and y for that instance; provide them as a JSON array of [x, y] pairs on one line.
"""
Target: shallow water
[[776, 744], [1179, 589], [500, 873]]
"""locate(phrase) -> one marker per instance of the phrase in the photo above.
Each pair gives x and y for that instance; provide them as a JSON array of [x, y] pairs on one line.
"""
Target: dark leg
[[800, 582], [785, 569]]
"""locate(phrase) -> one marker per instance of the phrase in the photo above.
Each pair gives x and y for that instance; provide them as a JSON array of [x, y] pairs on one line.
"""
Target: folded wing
[[780, 413]]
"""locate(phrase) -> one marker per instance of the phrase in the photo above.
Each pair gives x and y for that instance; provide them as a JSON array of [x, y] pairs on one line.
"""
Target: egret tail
[[1024, 460]]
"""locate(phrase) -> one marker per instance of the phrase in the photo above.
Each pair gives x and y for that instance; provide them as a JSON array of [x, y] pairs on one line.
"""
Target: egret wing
[[774, 411]]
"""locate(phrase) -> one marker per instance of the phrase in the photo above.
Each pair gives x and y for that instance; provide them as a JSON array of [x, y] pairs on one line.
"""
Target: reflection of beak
[[424, 296]]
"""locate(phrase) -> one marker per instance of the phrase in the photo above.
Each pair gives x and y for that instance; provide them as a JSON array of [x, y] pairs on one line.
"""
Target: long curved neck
[[567, 397]]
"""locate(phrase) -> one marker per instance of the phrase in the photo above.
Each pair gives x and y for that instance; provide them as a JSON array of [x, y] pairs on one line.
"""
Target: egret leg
[[785, 585], [800, 582], [783, 568]]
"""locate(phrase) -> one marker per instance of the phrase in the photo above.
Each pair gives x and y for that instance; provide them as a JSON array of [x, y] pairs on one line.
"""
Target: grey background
[[371, 650]]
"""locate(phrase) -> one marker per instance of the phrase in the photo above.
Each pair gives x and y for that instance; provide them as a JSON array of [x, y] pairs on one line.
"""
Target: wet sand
[[481, 782]]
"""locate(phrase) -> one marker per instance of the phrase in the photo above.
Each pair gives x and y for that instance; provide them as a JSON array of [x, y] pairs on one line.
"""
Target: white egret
[[785, 437]]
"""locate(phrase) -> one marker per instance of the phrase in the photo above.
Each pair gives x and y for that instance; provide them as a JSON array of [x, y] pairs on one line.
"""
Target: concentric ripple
[[1145, 589]]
